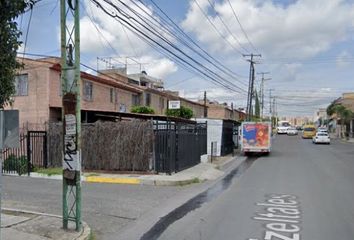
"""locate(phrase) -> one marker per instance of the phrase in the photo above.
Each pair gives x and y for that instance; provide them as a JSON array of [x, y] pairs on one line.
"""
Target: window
[[162, 103], [135, 100], [88, 89], [147, 99], [21, 85], [113, 96]]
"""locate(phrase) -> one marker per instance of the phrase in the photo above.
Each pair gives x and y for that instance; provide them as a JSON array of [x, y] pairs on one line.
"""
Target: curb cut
[[85, 232]]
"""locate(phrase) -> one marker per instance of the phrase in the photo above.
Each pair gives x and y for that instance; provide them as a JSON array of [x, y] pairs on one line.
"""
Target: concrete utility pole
[[262, 90], [71, 111], [251, 84], [270, 102]]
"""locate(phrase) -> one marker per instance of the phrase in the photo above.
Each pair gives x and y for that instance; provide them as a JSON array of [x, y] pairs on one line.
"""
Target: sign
[[71, 154], [9, 129], [174, 104]]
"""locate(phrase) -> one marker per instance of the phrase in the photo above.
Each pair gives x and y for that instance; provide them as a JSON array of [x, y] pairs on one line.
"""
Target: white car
[[282, 130], [321, 137], [292, 131]]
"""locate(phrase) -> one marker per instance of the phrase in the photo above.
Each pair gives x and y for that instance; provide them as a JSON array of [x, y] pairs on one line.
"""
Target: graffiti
[[71, 153]]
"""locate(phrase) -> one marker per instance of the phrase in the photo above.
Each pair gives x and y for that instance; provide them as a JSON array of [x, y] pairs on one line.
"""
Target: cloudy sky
[[306, 45]]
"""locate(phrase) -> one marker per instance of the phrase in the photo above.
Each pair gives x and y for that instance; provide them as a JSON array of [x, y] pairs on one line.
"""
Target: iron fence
[[178, 145], [32, 152]]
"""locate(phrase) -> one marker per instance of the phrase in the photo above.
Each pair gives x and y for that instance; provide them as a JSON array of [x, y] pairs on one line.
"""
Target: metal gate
[[32, 152], [37, 149]]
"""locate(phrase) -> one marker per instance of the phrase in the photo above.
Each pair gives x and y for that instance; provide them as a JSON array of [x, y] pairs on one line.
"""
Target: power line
[[191, 40], [226, 27], [148, 38], [242, 29], [216, 29]]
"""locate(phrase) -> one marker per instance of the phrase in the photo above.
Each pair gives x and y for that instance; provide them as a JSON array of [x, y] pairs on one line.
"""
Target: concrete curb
[[85, 232]]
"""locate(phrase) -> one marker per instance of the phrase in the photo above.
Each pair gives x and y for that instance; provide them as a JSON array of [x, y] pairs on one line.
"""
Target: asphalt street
[[107, 208], [300, 191]]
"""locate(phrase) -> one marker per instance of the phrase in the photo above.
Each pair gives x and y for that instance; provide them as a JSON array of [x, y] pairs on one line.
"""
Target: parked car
[[321, 137], [292, 131], [309, 131]]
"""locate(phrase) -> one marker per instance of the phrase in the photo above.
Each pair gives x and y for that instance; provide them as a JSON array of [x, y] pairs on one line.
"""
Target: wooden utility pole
[[262, 90]]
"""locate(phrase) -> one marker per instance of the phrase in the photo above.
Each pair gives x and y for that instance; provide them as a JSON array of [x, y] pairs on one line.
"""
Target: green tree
[[331, 108], [257, 107], [345, 116], [183, 112], [142, 109], [9, 43]]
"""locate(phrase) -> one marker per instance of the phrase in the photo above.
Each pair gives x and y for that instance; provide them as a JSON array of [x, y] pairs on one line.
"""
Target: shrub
[[142, 109], [18, 164], [183, 112]]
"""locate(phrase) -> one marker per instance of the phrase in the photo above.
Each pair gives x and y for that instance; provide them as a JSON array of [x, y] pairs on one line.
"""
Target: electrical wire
[[138, 31], [242, 29], [226, 27], [216, 29]]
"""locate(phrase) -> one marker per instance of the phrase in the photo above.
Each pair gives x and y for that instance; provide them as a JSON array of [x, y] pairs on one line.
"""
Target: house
[[38, 94], [223, 111], [347, 100]]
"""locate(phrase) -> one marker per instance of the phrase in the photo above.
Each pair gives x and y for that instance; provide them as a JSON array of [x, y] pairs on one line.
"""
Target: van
[[309, 131]]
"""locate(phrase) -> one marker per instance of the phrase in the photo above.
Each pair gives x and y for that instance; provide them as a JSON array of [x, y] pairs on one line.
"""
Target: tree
[[331, 108], [183, 112], [142, 109], [9, 44], [257, 107], [345, 116]]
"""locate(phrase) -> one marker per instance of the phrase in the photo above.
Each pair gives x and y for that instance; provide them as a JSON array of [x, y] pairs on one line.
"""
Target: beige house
[[223, 111], [38, 93]]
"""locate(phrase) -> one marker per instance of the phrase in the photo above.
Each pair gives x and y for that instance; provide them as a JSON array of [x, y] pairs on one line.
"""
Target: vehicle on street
[[322, 129], [255, 137], [321, 137], [283, 127], [309, 131], [292, 131]]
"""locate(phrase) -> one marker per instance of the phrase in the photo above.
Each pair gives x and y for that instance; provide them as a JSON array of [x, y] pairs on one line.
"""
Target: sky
[[306, 46]]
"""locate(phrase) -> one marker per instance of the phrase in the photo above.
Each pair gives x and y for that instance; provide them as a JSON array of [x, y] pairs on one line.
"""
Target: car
[[322, 129], [309, 131], [292, 131], [321, 137]]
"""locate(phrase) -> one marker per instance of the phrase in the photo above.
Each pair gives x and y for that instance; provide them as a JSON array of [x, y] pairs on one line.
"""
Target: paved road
[[107, 208], [301, 191]]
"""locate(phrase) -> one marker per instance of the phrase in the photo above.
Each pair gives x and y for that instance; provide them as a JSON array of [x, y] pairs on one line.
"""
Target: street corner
[[112, 180], [19, 225]]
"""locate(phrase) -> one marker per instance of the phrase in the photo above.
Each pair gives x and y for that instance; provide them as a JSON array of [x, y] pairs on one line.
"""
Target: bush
[[142, 109], [18, 164], [183, 112]]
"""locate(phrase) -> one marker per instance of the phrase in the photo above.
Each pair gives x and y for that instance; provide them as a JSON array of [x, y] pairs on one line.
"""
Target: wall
[[33, 108]]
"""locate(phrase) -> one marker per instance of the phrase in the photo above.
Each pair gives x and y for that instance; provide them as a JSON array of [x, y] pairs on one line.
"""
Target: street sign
[[174, 104]]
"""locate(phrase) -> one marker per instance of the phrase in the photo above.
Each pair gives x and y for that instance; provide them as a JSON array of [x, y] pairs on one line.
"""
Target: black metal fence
[[178, 145], [32, 152]]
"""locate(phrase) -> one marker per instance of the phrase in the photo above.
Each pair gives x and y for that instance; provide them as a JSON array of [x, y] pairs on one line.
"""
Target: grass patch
[[92, 236], [49, 171]]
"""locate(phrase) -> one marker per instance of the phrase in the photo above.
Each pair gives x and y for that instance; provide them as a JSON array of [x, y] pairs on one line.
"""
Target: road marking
[[281, 217], [93, 179]]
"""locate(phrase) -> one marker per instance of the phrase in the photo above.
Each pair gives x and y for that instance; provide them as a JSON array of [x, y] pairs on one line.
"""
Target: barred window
[[21, 85], [88, 90]]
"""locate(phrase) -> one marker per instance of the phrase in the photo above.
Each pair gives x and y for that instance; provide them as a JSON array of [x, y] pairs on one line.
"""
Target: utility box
[[9, 129]]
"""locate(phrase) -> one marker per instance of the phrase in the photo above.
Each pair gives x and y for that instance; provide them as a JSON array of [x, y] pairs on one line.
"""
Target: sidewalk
[[196, 174], [20, 225]]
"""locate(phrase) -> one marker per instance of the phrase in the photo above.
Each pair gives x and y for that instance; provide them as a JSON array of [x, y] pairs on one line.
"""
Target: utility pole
[[262, 90], [270, 102], [251, 84], [205, 105], [71, 111]]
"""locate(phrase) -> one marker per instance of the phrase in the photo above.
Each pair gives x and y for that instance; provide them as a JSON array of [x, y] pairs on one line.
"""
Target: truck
[[255, 137]]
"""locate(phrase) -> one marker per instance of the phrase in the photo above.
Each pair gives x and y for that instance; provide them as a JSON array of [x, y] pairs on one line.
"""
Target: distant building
[[320, 116], [218, 110]]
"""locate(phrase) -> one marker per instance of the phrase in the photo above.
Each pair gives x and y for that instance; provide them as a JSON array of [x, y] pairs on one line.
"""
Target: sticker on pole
[[72, 158]]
